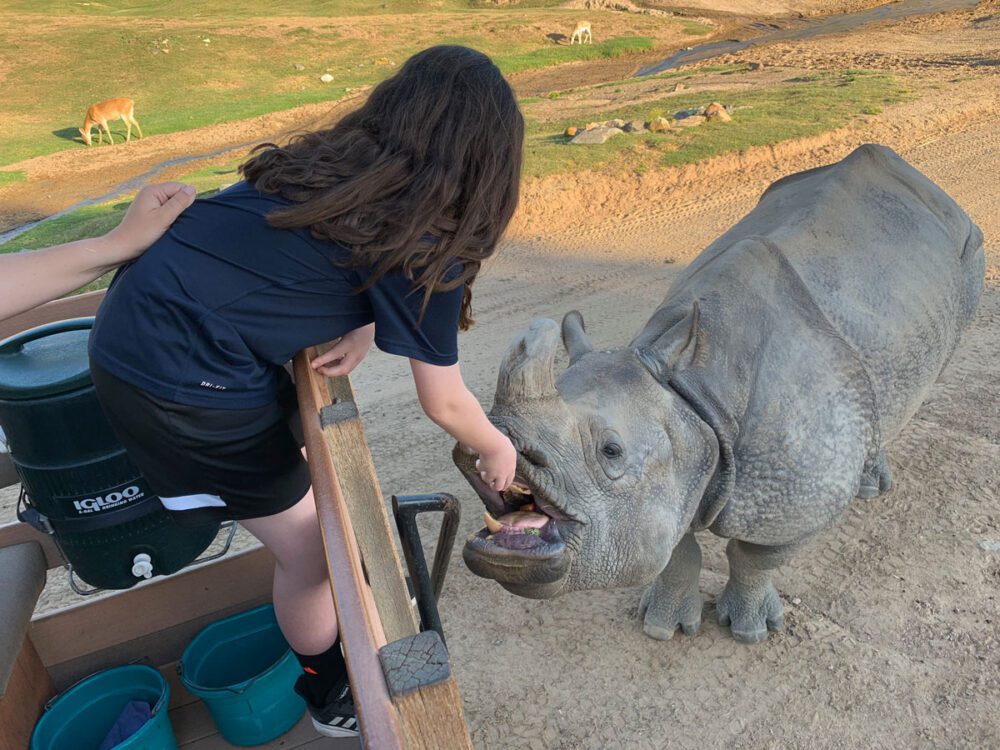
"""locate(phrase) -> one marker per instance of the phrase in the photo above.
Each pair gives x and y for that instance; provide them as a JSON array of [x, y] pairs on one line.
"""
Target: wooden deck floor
[[195, 730]]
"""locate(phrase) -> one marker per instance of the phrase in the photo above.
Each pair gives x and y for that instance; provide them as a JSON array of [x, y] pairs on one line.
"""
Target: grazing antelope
[[112, 109], [582, 27]]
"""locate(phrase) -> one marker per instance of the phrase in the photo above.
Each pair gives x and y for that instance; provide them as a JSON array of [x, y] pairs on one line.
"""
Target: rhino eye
[[610, 453], [612, 450]]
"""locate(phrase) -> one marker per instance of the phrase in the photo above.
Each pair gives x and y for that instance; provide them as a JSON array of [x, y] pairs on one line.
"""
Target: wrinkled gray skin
[[755, 403]]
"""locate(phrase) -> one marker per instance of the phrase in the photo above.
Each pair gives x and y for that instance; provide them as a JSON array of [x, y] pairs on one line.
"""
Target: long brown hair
[[422, 178]]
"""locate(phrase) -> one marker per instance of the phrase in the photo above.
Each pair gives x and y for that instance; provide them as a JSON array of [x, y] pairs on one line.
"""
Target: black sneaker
[[336, 717]]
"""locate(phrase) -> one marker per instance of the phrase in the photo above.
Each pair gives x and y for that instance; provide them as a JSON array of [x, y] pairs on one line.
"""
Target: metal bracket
[[231, 525], [426, 586], [27, 513], [72, 579]]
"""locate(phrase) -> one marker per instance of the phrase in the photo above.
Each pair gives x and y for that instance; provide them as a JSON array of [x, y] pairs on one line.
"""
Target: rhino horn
[[574, 336], [527, 368]]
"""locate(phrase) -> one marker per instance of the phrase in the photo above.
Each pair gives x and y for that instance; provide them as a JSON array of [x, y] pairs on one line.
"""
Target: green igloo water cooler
[[77, 482]]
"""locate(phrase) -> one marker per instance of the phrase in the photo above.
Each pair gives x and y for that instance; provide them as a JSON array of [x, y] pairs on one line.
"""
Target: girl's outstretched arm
[[30, 279], [449, 404]]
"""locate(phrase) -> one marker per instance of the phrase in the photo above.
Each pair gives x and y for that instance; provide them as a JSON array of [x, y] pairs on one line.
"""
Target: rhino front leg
[[750, 604], [673, 600]]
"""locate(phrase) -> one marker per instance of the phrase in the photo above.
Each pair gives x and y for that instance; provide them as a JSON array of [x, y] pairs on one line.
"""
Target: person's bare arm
[[449, 404], [31, 279]]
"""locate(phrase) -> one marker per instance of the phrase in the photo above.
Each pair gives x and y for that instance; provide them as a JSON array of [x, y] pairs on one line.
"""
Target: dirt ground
[[894, 638], [892, 634], [768, 7]]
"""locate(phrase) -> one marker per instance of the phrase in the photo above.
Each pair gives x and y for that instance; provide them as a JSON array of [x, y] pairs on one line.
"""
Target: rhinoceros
[[756, 403]]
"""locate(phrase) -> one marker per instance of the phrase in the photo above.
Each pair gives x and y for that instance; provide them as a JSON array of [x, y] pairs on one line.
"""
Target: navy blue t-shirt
[[212, 310]]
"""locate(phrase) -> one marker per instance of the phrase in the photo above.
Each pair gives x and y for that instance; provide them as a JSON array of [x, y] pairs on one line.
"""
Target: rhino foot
[[673, 601], [662, 615], [876, 479], [750, 604], [750, 613]]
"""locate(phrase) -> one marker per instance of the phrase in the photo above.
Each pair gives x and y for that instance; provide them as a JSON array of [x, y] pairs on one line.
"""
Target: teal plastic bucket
[[244, 671], [81, 718]]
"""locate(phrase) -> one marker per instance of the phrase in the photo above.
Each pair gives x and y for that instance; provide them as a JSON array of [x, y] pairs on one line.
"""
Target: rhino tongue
[[515, 522]]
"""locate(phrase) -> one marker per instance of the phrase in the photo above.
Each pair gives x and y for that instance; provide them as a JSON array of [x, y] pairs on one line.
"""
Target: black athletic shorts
[[210, 465]]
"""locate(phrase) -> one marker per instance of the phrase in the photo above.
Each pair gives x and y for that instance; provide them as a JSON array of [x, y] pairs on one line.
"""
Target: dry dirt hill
[[742, 7]]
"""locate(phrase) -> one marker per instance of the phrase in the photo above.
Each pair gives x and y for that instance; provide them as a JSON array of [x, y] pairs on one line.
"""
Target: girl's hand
[[498, 466], [347, 353], [152, 212]]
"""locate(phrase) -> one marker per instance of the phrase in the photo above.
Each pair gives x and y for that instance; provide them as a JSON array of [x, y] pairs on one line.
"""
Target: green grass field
[[798, 108], [250, 8], [11, 176], [191, 63], [762, 117]]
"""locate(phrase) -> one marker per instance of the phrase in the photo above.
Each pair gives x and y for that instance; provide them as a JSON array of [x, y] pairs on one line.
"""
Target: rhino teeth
[[491, 523]]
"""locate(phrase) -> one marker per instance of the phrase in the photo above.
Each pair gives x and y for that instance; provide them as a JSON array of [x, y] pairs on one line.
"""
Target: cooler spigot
[[142, 566]]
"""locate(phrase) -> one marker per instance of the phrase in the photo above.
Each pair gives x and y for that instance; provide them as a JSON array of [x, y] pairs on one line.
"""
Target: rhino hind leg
[[750, 604], [876, 479], [673, 599]]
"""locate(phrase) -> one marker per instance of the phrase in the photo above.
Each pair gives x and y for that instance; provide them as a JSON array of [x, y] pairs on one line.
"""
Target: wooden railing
[[406, 695], [403, 686]]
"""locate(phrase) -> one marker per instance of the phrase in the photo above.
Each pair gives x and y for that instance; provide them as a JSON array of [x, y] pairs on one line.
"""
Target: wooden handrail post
[[401, 680], [361, 631]]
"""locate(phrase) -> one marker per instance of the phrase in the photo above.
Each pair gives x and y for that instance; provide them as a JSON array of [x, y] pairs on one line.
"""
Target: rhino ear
[[675, 349], [574, 336], [527, 368]]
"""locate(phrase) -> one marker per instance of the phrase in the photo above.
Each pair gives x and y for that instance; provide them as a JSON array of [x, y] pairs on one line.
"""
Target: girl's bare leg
[[303, 601]]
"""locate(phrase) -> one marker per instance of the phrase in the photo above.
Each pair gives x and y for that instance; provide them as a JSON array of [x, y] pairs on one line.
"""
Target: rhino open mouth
[[524, 540]]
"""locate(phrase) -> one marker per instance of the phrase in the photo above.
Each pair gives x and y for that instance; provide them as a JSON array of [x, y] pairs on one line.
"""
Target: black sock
[[323, 672]]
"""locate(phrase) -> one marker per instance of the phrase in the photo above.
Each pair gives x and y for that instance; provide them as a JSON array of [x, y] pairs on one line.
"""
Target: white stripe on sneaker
[[327, 731]]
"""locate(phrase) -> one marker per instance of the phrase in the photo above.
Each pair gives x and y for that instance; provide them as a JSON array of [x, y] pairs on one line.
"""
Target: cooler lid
[[45, 361]]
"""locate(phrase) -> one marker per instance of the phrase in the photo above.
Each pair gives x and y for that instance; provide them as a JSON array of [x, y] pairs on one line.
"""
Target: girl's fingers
[[332, 371], [176, 202], [335, 352], [492, 479], [345, 366], [326, 364], [497, 483], [166, 190]]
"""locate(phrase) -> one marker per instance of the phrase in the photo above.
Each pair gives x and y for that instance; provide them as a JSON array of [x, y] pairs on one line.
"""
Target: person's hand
[[347, 353], [152, 212], [498, 465]]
